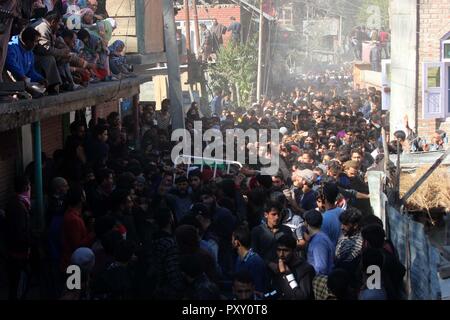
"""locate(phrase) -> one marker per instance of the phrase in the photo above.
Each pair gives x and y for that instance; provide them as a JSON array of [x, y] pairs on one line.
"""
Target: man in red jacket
[[75, 233]]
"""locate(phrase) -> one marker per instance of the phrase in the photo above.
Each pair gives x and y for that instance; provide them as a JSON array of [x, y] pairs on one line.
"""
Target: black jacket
[[303, 274], [17, 228], [264, 241]]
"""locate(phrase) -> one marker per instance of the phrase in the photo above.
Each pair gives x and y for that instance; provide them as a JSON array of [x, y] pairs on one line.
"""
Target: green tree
[[236, 67], [374, 13]]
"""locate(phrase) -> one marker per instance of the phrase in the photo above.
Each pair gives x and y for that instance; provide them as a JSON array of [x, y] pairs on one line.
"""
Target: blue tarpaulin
[[423, 258]]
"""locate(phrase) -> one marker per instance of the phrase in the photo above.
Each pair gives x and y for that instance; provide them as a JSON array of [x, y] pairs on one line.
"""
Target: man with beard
[[351, 169], [179, 198], [364, 159], [293, 276], [195, 183], [281, 121], [277, 182], [348, 249], [217, 31], [289, 217], [302, 121]]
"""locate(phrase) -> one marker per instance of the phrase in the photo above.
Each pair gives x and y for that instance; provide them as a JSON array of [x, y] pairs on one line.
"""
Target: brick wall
[[8, 156], [52, 135], [221, 12], [434, 24], [104, 109]]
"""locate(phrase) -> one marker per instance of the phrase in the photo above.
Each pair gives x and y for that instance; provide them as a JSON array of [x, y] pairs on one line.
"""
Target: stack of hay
[[433, 194]]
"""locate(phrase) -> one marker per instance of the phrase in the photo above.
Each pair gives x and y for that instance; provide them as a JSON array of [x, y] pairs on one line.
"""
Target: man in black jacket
[[265, 236], [18, 238], [165, 259], [293, 276]]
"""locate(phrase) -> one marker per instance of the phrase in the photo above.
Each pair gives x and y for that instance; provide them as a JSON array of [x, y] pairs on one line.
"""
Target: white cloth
[[49, 4]]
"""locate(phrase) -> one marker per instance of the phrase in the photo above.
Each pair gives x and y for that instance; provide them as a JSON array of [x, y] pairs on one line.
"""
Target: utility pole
[[307, 30], [197, 32], [188, 27], [260, 51], [268, 65], [173, 66], [339, 50]]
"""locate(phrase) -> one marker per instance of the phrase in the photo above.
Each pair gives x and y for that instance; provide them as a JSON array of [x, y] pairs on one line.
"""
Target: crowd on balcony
[[56, 46], [380, 40]]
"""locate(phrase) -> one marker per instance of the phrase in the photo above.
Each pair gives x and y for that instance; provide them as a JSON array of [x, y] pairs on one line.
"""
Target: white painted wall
[[404, 69], [27, 145]]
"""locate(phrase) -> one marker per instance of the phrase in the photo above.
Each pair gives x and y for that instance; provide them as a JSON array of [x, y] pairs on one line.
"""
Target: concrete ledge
[[444, 271], [151, 58], [17, 114], [419, 158]]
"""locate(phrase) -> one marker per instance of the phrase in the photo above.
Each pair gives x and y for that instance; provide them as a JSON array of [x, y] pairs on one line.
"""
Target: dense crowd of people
[[58, 45], [139, 226], [380, 40]]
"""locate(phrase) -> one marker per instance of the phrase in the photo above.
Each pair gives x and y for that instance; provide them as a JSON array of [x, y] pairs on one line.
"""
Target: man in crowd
[[320, 253], [235, 28], [217, 31], [264, 236], [206, 43], [293, 276], [18, 238], [20, 60], [248, 260], [46, 53]]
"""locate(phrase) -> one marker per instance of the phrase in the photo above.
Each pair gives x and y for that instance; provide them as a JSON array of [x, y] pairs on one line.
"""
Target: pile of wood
[[433, 194]]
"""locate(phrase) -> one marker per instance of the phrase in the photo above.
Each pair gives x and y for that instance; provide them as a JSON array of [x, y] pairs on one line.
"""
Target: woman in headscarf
[[101, 33], [87, 18], [117, 60]]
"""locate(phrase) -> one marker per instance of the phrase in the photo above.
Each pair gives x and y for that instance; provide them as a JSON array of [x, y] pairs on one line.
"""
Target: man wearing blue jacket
[[20, 58]]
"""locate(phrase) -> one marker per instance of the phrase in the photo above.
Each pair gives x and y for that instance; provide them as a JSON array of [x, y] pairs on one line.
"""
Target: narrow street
[[224, 150]]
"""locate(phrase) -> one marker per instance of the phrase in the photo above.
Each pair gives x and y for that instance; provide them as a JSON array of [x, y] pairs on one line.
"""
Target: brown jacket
[[47, 40], [74, 60]]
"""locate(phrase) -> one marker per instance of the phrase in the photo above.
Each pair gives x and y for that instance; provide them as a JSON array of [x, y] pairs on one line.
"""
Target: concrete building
[[421, 65]]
